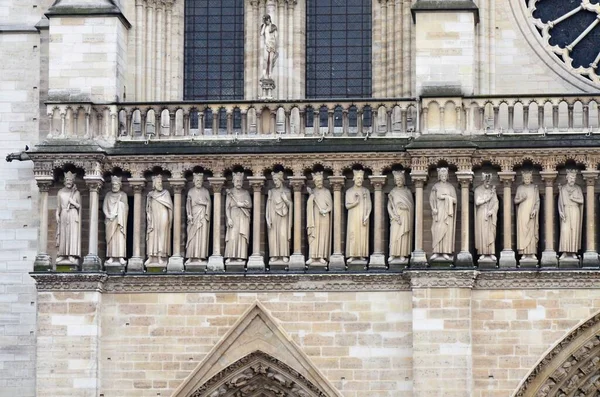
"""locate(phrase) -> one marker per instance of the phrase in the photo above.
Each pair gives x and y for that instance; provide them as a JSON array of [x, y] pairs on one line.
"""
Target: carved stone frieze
[[538, 280], [442, 279], [69, 281]]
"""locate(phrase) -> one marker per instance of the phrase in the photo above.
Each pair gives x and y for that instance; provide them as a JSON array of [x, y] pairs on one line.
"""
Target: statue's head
[[115, 183], [267, 19], [571, 177], [443, 174], [198, 179], [399, 178], [486, 177], [69, 179], [238, 179], [278, 179], [318, 179], [359, 177], [527, 177], [157, 182]]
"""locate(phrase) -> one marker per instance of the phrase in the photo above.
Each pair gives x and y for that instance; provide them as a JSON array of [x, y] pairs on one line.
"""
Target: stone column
[[136, 263], [256, 262], [175, 264], [590, 256], [418, 257], [464, 257], [337, 261], [507, 255], [549, 258], [377, 259], [43, 261], [215, 261], [92, 262], [297, 263]]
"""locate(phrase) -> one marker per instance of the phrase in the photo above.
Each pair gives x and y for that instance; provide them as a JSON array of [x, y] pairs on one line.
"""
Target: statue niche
[[197, 208], [159, 218], [318, 222], [116, 209], [443, 209], [68, 222]]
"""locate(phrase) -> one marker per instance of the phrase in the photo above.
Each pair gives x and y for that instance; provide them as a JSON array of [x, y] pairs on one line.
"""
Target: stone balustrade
[[476, 115]]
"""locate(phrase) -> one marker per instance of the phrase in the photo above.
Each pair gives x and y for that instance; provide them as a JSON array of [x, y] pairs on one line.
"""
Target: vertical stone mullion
[[42, 259], [507, 255], [256, 262], [549, 258], [92, 262], [336, 261], [377, 259], [464, 257], [418, 257], [175, 263], [215, 261], [136, 263], [297, 258], [590, 256]]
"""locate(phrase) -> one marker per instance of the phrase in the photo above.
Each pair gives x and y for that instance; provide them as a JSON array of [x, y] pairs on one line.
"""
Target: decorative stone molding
[[409, 279], [571, 368], [577, 279], [442, 279], [69, 281]]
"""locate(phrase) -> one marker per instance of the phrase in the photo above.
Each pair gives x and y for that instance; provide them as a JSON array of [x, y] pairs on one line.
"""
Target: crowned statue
[[68, 222], [116, 210]]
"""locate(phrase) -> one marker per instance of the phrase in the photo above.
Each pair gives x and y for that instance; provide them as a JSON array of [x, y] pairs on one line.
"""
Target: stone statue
[[237, 211], [116, 209], [570, 209], [279, 220], [486, 218], [68, 222], [198, 221], [527, 199], [443, 209], [318, 221], [358, 204], [159, 218], [401, 209], [268, 30]]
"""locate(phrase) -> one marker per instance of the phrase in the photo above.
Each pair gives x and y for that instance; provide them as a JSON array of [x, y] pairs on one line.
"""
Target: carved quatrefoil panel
[[570, 29]]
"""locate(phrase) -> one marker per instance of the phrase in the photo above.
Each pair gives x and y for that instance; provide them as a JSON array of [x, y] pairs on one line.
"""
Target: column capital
[[178, 184], [297, 182], [549, 176], [137, 184], [507, 176], [464, 178], [337, 182], [44, 183], [419, 176], [378, 181], [94, 183], [216, 183], [590, 176], [257, 182]]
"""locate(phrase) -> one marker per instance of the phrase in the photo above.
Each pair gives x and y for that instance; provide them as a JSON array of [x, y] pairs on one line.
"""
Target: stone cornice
[[410, 279]]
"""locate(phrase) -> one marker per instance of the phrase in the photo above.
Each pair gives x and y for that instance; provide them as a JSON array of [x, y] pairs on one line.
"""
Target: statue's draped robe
[[401, 206], [279, 215], [236, 239], [68, 230], [485, 228], [571, 205], [159, 215], [116, 208], [357, 233], [318, 226], [443, 227], [198, 212], [528, 227]]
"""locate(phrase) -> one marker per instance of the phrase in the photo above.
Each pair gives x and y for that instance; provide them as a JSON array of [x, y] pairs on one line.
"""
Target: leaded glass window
[[338, 49], [214, 49]]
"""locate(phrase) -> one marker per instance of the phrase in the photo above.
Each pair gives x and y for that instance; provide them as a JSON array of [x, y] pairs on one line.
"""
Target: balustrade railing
[[474, 115]]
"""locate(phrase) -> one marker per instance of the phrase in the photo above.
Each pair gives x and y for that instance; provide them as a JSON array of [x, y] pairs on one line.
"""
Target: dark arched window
[[214, 49], [338, 48]]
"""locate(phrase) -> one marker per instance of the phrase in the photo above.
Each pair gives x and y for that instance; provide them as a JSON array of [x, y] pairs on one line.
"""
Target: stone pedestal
[[549, 259], [156, 268], [337, 263], [175, 264], [135, 265], [256, 263], [464, 260], [486, 263], [441, 263], [91, 263], [357, 265], [528, 263], [398, 264], [590, 260], [215, 264], [418, 259], [42, 263], [569, 263], [235, 266], [278, 265], [507, 259], [267, 86], [297, 263], [115, 267], [377, 262]]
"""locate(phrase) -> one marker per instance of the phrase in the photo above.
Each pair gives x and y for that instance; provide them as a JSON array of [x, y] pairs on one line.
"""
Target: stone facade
[[469, 86]]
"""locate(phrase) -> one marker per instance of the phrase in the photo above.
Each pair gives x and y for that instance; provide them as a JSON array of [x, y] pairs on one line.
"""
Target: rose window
[[571, 30]]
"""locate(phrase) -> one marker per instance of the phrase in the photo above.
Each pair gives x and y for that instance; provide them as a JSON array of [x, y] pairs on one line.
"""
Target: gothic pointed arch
[[256, 358], [571, 368]]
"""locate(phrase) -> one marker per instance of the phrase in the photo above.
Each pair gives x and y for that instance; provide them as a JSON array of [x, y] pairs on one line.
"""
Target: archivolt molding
[[258, 374], [571, 368]]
